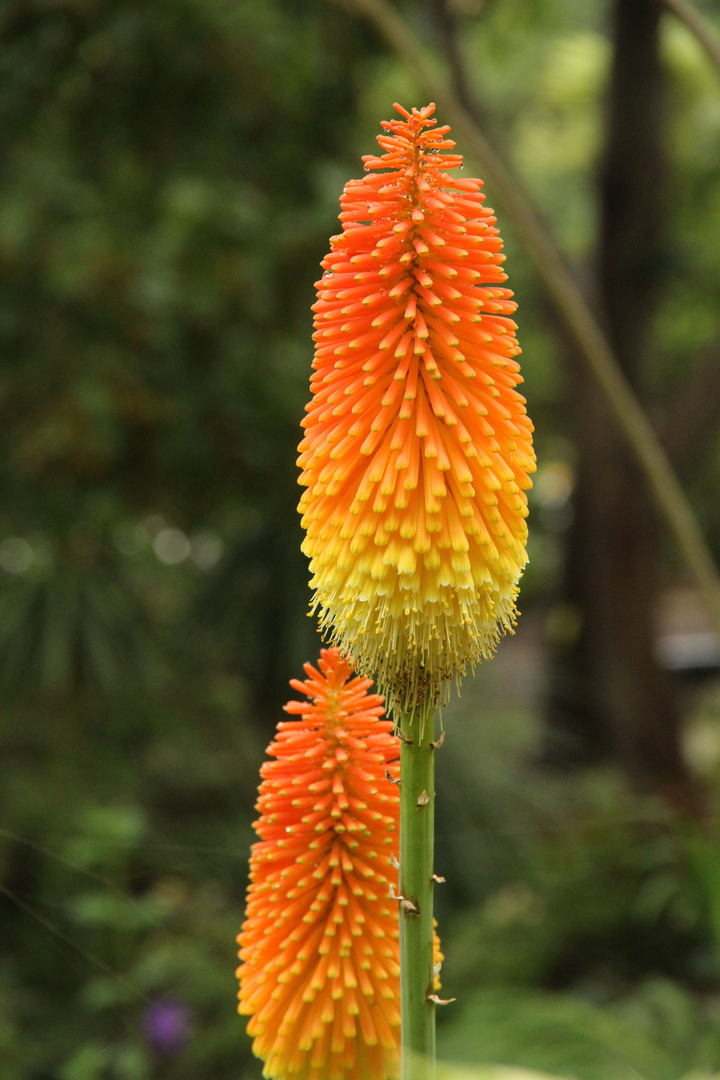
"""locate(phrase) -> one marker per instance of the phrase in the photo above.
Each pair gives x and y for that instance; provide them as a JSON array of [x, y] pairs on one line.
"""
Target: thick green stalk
[[417, 819]]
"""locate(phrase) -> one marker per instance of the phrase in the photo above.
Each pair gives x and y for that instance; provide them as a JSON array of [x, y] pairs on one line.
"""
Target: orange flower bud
[[320, 975]]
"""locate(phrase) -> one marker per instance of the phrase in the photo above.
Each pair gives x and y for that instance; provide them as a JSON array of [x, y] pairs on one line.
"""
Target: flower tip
[[421, 114]]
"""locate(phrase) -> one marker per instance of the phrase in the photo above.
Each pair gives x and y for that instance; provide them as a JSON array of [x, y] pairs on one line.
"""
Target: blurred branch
[[446, 23], [695, 413], [569, 301], [698, 26]]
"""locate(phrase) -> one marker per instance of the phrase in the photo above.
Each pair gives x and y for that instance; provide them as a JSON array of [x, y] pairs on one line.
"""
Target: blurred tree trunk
[[607, 695]]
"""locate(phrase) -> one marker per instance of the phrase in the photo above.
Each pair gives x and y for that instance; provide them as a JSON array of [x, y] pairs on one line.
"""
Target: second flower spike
[[320, 976]]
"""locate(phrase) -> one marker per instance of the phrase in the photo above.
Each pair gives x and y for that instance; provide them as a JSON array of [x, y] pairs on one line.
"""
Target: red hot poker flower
[[319, 947], [417, 445]]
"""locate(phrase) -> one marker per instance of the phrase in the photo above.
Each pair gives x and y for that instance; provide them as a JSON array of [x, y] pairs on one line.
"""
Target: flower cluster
[[417, 445], [320, 972]]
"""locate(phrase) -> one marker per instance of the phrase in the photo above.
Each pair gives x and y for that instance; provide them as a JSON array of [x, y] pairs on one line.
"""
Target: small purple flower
[[167, 1026]]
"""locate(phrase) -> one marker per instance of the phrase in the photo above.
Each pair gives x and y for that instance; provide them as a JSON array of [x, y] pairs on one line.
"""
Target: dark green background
[[169, 176]]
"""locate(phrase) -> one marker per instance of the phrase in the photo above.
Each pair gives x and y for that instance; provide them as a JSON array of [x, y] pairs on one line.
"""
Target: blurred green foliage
[[168, 183]]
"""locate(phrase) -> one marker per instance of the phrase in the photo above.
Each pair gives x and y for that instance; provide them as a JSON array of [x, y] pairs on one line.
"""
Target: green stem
[[417, 816]]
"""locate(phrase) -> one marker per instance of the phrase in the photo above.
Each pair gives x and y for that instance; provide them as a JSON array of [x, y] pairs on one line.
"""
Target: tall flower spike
[[320, 972], [417, 445]]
